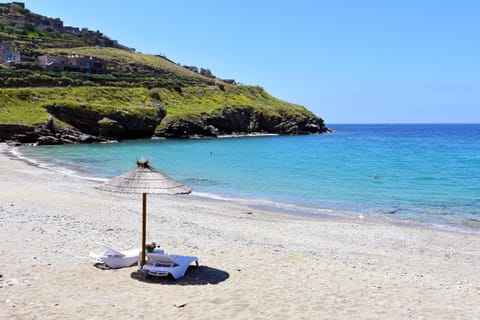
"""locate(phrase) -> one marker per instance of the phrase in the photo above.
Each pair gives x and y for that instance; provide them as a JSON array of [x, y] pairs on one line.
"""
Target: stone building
[[73, 63], [9, 53]]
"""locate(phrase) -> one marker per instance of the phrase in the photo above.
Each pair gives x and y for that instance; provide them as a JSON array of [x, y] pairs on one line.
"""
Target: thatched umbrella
[[144, 179]]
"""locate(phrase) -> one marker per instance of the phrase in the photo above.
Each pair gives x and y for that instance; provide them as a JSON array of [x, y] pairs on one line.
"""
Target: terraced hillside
[[62, 80]]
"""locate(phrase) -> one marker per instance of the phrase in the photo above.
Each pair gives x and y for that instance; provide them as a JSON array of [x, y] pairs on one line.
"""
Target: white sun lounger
[[116, 259], [164, 264]]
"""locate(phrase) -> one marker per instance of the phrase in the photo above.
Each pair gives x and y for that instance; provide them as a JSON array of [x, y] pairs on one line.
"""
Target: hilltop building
[[19, 19], [73, 63]]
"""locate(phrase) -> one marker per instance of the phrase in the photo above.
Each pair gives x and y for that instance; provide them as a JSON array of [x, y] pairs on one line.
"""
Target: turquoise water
[[428, 173]]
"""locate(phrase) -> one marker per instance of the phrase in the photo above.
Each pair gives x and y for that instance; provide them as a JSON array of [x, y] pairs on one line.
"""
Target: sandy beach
[[254, 264]]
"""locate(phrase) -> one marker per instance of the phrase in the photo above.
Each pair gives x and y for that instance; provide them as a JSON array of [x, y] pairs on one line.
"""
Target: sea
[[425, 174]]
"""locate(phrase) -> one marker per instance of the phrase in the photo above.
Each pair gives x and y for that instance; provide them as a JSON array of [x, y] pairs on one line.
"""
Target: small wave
[[213, 196], [280, 207], [15, 152]]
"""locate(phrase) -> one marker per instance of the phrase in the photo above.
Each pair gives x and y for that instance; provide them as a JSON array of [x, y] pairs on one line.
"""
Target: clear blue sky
[[357, 61]]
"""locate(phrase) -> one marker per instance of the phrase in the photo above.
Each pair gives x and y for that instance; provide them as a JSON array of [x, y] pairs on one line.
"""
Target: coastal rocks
[[10, 131], [290, 125], [234, 120], [116, 124], [185, 129], [111, 128], [89, 125], [139, 126], [242, 120], [68, 136], [81, 117], [304, 126], [63, 136], [48, 140], [47, 134]]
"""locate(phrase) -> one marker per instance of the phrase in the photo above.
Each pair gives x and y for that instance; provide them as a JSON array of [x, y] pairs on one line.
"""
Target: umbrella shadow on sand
[[201, 275]]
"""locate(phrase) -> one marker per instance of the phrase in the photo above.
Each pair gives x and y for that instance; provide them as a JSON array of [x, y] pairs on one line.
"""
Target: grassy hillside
[[27, 105], [118, 59], [196, 101], [124, 69], [126, 83]]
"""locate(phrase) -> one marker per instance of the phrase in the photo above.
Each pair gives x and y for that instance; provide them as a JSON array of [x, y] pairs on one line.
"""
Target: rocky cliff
[[240, 121], [89, 126]]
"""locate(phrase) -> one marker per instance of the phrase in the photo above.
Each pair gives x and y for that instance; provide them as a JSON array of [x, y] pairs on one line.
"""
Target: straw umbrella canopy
[[144, 179]]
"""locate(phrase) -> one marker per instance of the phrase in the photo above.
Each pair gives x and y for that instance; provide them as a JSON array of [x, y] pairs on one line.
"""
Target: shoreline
[[254, 263], [271, 205], [13, 153]]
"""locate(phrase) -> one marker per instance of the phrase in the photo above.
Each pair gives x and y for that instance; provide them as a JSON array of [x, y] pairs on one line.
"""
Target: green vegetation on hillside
[[27, 105], [124, 69], [117, 58], [193, 102], [31, 33], [119, 81]]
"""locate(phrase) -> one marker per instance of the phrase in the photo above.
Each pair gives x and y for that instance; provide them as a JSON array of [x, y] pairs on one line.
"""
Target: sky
[[348, 61]]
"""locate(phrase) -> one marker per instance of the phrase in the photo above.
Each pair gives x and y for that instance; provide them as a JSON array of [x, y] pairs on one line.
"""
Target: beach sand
[[254, 264]]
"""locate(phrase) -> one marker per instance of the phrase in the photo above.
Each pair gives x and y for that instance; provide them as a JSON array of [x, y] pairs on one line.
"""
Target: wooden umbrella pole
[[144, 228]]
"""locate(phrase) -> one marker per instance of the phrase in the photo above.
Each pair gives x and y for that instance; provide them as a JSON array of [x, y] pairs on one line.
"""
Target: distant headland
[[64, 84]]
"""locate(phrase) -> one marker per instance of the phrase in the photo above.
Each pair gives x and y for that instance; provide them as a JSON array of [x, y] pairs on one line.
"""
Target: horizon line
[[402, 123]]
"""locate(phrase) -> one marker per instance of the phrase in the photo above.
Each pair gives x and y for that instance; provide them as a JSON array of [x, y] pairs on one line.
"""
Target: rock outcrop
[[111, 128], [242, 121], [88, 125], [43, 135], [116, 125]]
